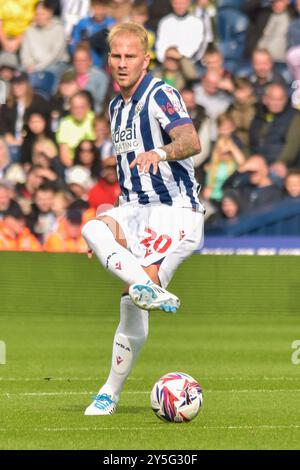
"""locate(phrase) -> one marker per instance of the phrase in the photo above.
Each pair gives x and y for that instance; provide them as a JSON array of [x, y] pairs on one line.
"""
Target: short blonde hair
[[129, 28]]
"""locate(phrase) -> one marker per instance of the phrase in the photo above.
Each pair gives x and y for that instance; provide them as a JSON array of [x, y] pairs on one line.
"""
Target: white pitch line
[[140, 392], [86, 379], [154, 428]]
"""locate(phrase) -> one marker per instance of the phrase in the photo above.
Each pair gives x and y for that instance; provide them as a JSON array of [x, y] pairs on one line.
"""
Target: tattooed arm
[[185, 143]]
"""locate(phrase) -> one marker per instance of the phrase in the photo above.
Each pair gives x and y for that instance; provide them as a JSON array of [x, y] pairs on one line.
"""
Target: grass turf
[[234, 332]]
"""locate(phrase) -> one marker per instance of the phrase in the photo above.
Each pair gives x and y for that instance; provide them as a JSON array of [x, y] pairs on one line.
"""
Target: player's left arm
[[185, 143]]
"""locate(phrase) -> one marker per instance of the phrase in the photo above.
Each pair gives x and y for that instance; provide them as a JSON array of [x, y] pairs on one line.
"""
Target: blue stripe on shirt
[[181, 174], [124, 190], [145, 128]]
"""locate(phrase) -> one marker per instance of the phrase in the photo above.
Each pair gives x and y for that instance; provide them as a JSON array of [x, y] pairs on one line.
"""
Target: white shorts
[[154, 232]]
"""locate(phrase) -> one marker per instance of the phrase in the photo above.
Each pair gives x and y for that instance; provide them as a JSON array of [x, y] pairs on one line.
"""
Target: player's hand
[[145, 160]]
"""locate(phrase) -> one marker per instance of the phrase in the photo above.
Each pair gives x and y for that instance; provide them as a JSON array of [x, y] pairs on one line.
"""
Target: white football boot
[[153, 297], [102, 405]]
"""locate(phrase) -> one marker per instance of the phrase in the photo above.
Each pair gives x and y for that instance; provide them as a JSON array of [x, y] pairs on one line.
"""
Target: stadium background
[[235, 331]]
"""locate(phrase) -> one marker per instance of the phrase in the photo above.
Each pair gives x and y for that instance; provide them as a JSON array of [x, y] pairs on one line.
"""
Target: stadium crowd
[[241, 87]]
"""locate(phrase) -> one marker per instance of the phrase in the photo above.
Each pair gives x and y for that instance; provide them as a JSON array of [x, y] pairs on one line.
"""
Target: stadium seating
[[282, 218], [232, 26], [230, 3]]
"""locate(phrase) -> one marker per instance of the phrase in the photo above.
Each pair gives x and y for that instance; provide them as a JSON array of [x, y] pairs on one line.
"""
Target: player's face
[[128, 62]]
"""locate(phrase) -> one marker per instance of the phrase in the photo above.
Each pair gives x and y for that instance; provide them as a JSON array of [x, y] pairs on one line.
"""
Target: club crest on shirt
[[138, 109]]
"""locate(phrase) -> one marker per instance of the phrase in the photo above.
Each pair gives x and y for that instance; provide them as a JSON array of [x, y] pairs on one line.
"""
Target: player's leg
[[192, 241], [130, 337], [106, 238]]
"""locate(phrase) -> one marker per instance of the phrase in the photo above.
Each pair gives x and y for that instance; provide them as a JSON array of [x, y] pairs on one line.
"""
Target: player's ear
[[146, 61]]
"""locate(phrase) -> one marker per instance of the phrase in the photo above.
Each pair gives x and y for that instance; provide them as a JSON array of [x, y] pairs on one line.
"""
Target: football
[[176, 397]]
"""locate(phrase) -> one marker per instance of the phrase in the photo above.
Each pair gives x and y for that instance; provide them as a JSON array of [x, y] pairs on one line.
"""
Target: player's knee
[[92, 229]]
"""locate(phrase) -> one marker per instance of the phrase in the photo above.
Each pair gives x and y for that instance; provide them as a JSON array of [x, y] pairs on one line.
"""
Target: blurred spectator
[[8, 65], [41, 220], [274, 131], [140, 15], [176, 70], [60, 102], [293, 53], [20, 102], [37, 126], [202, 125], [103, 141], [157, 10], [120, 10], [206, 11], [87, 156], [15, 17], [44, 45], [268, 27], [263, 72], [177, 29], [214, 100], [4, 158], [44, 155], [6, 198], [72, 12], [25, 191], [90, 78], [61, 201], [230, 210], [226, 157], [292, 183], [14, 235], [97, 21], [213, 61], [107, 189], [79, 183], [243, 108], [68, 239], [75, 127], [254, 185]]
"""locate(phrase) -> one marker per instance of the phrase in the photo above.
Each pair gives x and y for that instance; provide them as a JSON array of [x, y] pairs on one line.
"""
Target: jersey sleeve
[[169, 108]]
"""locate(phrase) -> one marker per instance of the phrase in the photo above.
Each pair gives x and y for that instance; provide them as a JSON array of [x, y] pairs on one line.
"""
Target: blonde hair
[[129, 28]]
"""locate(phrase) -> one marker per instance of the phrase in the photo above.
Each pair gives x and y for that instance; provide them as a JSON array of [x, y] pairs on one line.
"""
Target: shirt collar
[[142, 87]]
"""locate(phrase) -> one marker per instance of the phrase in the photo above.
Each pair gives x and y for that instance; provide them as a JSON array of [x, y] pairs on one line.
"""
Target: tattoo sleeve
[[185, 143]]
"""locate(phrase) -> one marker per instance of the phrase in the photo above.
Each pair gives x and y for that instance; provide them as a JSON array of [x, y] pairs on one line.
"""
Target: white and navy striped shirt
[[140, 125]]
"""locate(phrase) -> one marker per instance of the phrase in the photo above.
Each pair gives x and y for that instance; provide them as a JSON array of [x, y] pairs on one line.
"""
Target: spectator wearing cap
[[44, 44], [7, 197], [79, 183], [68, 238], [88, 77], [20, 101], [15, 17], [8, 65], [177, 29], [75, 127], [107, 189], [14, 235], [97, 22]]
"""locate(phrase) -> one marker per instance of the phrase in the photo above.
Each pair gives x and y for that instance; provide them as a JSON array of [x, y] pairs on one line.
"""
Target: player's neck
[[127, 93]]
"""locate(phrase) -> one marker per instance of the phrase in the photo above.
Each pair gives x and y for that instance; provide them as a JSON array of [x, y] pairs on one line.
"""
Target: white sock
[[130, 336], [113, 256]]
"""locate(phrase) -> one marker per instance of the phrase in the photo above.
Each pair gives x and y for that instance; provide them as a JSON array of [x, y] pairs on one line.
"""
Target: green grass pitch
[[234, 334]]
